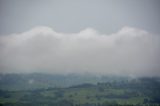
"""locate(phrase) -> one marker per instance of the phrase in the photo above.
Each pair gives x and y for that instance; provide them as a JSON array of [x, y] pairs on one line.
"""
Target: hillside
[[136, 92], [13, 82]]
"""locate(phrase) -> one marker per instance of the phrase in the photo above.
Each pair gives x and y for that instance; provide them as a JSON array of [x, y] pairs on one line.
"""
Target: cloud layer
[[129, 51]]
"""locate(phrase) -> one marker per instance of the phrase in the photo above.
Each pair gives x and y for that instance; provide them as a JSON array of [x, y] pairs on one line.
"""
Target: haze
[[128, 51]]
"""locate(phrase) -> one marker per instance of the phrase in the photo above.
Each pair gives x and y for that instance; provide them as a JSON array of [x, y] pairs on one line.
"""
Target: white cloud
[[130, 51]]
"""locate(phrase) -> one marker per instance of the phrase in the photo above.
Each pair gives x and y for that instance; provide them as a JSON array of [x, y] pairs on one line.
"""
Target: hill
[[135, 92]]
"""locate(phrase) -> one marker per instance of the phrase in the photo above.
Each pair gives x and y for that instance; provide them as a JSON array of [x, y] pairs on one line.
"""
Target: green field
[[137, 92]]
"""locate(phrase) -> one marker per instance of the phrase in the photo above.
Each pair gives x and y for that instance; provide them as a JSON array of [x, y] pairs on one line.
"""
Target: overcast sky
[[119, 37], [106, 16]]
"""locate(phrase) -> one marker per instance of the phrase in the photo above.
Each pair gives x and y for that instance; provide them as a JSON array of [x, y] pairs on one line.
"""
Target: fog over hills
[[79, 53], [129, 51], [82, 37]]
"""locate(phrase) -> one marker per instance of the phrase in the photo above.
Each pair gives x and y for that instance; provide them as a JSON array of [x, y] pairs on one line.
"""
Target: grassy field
[[137, 92]]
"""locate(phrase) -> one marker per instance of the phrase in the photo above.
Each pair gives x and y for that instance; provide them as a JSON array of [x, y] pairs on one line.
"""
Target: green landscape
[[79, 52], [107, 91]]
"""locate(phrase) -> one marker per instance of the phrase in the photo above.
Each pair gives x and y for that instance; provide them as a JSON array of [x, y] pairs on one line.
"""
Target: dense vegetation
[[33, 81], [126, 92]]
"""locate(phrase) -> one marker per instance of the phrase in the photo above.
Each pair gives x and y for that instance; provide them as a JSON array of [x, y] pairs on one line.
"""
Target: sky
[[119, 37], [106, 16]]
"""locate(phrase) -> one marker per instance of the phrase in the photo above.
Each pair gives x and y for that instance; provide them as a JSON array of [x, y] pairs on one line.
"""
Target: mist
[[129, 51]]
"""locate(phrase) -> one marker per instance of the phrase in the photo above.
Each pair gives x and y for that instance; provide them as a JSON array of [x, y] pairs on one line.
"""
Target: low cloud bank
[[129, 51]]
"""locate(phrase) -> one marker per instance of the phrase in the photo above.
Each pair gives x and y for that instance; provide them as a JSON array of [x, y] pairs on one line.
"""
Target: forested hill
[[136, 92], [33, 81]]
